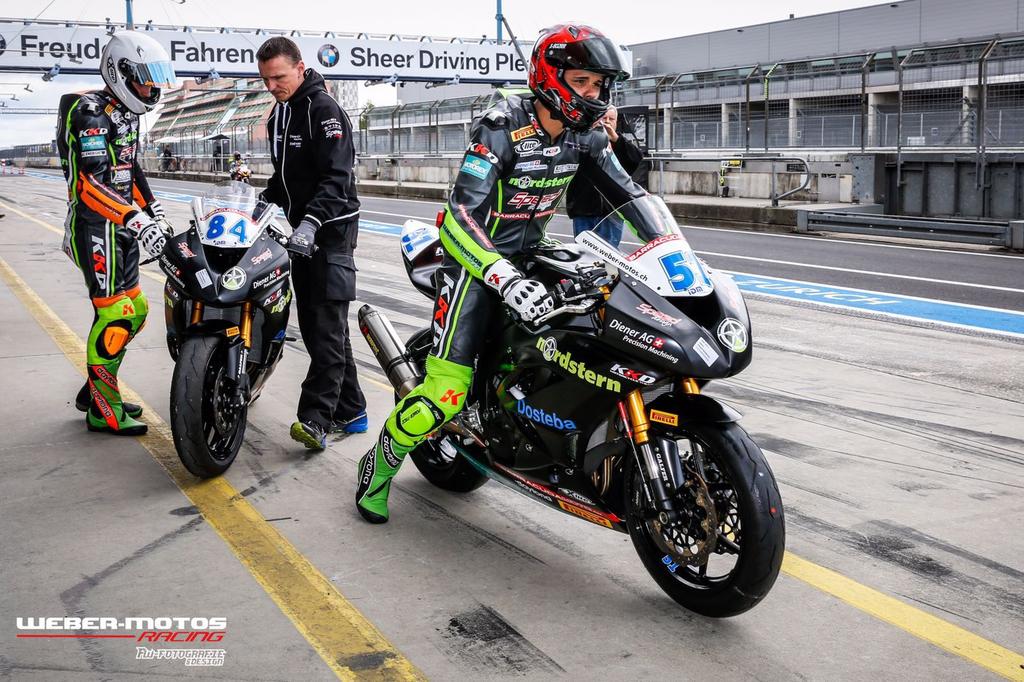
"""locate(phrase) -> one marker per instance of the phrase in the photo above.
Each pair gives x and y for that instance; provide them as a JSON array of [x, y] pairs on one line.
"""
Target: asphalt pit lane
[[899, 551], [486, 642]]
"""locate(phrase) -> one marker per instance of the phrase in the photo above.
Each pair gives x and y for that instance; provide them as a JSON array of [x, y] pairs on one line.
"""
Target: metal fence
[[26, 150]]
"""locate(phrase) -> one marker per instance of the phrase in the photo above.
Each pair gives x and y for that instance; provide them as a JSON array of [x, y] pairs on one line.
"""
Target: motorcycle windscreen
[[665, 262], [225, 216]]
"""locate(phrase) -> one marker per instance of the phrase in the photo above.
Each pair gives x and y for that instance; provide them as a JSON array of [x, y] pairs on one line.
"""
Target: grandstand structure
[[224, 115], [199, 119]]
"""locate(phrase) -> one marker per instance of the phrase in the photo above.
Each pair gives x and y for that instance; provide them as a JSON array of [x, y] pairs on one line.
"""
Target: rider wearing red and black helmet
[[573, 46], [523, 153]]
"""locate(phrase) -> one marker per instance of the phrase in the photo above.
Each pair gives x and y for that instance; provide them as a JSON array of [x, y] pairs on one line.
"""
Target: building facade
[[915, 73]]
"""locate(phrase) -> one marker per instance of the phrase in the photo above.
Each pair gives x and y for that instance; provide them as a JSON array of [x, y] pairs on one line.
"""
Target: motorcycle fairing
[[188, 264]]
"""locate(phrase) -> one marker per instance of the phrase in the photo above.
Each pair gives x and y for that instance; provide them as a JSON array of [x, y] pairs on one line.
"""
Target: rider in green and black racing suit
[[523, 153], [98, 141]]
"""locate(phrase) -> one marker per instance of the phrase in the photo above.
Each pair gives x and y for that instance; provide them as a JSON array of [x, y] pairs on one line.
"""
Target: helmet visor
[[157, 74], [596, 54]]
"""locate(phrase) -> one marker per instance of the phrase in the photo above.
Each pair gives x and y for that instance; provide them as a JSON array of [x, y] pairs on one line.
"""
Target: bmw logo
[[328, 55]]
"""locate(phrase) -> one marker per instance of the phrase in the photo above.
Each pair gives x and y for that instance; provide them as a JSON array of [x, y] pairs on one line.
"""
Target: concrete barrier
[[431, 178]]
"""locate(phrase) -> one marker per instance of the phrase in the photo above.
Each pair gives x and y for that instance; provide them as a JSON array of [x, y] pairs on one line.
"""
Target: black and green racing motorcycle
[[597, 409]]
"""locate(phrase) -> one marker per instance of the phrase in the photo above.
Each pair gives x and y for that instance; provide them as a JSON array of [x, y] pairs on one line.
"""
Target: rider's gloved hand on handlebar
[[301, 241], [528, 298], [149, 234], [155, 210]]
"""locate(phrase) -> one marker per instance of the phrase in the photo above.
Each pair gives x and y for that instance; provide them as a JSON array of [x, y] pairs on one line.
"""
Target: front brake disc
[[693, 536]]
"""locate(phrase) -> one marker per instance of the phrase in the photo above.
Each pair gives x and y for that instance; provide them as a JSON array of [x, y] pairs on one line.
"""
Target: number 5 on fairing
[[680, 276]]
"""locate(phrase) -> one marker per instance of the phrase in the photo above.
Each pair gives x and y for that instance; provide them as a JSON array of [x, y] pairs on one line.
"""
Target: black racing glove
[[301, 241]]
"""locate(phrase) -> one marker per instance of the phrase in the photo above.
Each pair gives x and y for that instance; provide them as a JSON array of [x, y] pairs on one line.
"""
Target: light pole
[[499, 17]]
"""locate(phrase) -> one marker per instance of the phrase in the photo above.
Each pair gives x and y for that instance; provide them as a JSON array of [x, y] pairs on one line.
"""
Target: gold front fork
[[197, 312], [245, 324], [637, 416]]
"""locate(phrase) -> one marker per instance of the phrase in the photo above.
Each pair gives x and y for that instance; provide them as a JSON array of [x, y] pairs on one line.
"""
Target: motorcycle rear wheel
[[745, 562], [207, 432], [451, 472]]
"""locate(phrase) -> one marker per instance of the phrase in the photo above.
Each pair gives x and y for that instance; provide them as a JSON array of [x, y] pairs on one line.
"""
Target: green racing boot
[[125, 426], [83, 400], [106, 411], [376, 469]]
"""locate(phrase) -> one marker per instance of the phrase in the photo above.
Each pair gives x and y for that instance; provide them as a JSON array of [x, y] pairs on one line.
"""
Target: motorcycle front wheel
[[208, 431], [722, 553]]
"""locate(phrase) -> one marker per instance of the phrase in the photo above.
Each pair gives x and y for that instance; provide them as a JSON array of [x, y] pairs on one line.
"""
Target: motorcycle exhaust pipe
[[391, 355], [389, 350]]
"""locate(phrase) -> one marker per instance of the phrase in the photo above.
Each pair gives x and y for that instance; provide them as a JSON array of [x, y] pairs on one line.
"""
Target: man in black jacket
[[583, 203], [313, 181]]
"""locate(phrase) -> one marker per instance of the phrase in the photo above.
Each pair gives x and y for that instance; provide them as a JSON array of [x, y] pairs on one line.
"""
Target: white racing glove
[[149, 234], [156, 210], [527, 297]]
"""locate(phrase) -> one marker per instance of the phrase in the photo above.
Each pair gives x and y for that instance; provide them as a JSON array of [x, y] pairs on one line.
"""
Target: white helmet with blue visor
[[131, 62]]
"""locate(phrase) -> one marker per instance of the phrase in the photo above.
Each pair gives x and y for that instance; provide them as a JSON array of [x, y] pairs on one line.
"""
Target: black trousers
[[324, 286], [107, 254]]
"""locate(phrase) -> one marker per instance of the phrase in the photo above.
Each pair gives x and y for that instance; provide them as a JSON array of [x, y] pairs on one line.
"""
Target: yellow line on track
[[348, 643], [921, 624]]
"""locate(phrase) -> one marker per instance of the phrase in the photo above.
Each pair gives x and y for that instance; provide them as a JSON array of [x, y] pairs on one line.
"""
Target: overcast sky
[[624, 22]]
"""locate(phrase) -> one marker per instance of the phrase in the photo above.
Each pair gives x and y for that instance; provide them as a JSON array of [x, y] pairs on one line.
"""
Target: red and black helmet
[[573, 46]]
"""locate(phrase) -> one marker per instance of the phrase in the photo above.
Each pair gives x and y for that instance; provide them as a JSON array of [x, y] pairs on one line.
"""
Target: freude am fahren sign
[[28, 47]]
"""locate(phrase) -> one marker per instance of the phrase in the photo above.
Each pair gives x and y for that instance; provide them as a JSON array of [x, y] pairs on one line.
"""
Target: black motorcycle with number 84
[[597, 408], [226, 304]]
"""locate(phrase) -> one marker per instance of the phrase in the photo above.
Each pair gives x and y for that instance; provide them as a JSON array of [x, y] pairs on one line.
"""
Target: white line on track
[[758, 259], [754, 258], [772, 235], [863, 272]]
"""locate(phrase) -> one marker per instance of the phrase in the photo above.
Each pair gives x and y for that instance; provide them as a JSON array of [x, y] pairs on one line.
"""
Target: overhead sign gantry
[[53, 47]]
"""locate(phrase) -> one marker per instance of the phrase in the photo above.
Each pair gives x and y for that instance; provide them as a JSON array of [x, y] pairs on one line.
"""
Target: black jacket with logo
[[313, 155], [582, 197]]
